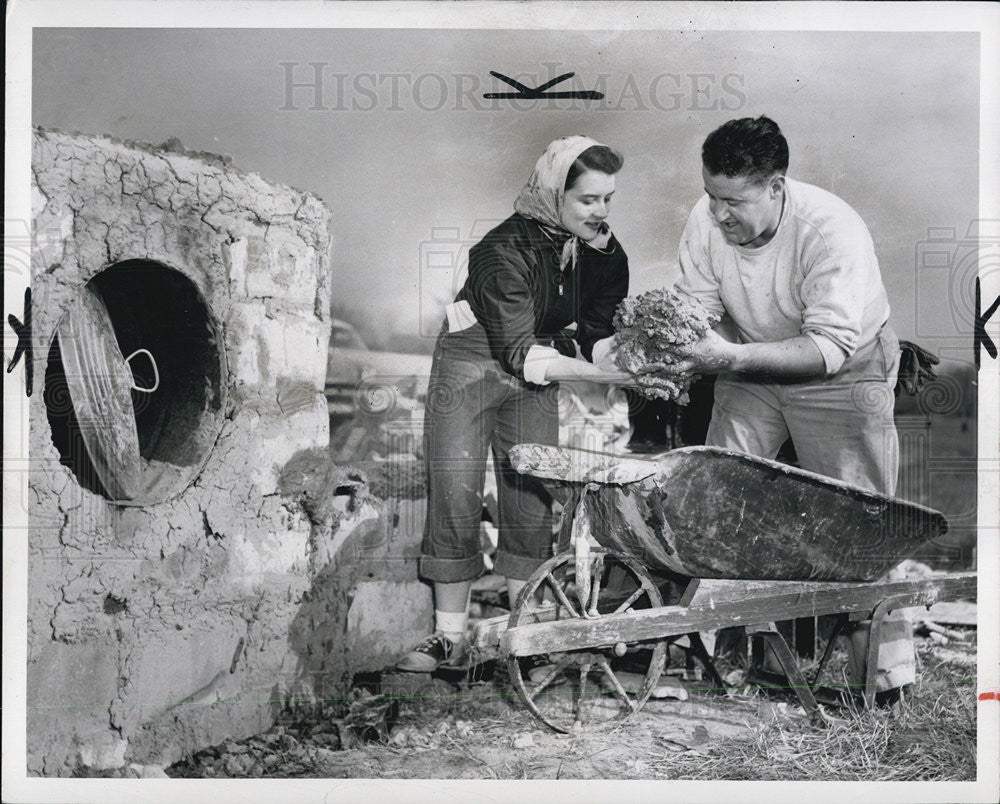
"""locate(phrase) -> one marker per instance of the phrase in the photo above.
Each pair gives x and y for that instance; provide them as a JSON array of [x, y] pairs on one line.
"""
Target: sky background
[[415, 164]]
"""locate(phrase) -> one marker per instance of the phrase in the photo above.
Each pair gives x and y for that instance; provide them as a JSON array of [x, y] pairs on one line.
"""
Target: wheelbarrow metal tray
[[707, 512]]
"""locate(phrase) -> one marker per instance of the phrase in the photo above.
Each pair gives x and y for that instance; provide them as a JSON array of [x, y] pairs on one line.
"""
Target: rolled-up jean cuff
[[451, 570], [517, 567]]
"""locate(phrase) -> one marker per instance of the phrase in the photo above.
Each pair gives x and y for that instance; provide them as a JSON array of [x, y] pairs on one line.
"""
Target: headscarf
[[542, 197]]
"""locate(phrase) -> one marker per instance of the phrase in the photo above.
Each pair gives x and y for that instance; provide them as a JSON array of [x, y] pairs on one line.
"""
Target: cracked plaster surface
[[169, 590]]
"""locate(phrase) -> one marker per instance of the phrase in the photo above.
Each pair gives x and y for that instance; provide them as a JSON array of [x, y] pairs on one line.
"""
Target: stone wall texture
[[192, 614]]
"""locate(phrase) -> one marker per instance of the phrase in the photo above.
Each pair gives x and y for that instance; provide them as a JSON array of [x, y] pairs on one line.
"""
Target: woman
[[552, 263]]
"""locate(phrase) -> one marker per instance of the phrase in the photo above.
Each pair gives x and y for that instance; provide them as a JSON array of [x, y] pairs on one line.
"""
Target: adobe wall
[[193, 612]]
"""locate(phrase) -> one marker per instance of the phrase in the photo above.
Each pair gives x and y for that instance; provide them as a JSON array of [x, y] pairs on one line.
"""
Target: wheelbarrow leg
[[699, 650], [840, 625], [879, 614], [790, 667], [565, 532], [566, 525]]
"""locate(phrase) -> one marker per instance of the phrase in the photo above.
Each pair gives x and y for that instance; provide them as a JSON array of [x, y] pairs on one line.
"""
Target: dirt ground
[[482, 733], [431, 728]]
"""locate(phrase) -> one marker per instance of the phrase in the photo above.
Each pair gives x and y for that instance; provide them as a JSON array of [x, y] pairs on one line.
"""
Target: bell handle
[[156, 371]]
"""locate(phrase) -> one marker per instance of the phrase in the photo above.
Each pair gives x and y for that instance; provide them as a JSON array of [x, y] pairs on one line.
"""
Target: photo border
[[24, 16]]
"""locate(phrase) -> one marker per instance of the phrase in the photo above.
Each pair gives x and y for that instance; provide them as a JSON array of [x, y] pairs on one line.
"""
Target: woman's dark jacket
[[513, 290]]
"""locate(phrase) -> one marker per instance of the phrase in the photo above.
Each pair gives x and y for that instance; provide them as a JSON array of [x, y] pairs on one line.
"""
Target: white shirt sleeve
[[834, 294], [833, 355], [536, 361], [697, 278]]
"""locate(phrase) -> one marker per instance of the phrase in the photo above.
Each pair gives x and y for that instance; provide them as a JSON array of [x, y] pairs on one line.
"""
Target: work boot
[[434, 652]]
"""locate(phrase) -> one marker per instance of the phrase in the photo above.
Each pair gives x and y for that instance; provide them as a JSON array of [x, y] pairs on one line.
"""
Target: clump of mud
[[304, 741], [654, 328]]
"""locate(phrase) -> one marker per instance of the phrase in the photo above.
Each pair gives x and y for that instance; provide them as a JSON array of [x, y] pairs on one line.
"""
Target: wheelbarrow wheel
[[574, 689]]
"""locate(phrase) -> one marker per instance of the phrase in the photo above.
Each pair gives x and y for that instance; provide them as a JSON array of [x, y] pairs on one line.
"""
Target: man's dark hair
[[597, 157], [750, 147]]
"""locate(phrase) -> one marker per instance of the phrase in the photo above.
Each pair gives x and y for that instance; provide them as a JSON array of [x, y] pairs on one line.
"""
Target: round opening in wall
[[133, 384]]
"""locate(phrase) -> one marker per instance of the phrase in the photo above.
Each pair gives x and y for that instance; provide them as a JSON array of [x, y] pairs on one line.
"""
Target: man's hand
[[709, 355], [792, 357]]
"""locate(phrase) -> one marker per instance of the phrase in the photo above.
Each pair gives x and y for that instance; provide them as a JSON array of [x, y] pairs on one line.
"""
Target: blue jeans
[[473, 406]]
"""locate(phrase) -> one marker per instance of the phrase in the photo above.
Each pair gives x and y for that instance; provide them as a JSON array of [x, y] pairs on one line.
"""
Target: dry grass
[[931, 738]]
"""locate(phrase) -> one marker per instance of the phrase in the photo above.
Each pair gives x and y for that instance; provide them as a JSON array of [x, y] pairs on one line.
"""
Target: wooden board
[[708, 592], [798, 600]]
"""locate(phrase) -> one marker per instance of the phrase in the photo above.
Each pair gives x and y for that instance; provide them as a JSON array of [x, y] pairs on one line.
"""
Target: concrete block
[[281, 267], [389, 551], [255, 558], [276, 441], [328, 543], [385, 620], [409, 530], [295, 347], [173, 669], [69, 688], [53, 230], [296, 395], [242, 347], [170, 737], [234, 256]]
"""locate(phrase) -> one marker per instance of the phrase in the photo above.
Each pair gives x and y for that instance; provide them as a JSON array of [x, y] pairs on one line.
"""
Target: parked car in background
[[375, 398], [359, 379], [343, 372]]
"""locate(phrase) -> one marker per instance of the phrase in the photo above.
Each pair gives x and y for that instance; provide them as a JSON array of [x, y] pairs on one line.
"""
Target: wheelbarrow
[[754, 540]]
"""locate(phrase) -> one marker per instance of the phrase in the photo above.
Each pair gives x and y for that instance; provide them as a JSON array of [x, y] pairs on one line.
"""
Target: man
[[792, 270]]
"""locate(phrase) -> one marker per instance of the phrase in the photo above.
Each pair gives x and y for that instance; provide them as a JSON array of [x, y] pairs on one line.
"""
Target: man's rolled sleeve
[[833, 292], [833, 355]]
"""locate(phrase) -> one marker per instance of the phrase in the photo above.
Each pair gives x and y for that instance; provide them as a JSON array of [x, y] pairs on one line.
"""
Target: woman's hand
[[605, 353]]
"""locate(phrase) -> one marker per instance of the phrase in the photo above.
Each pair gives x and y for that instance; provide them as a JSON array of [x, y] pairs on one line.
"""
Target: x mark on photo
[[529, 93]]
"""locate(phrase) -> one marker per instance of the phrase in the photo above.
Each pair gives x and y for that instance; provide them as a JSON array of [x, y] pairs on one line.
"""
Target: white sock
[[452, 624]]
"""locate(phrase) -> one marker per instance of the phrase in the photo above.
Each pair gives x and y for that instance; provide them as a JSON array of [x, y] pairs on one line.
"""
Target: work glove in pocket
[[916, 367]]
